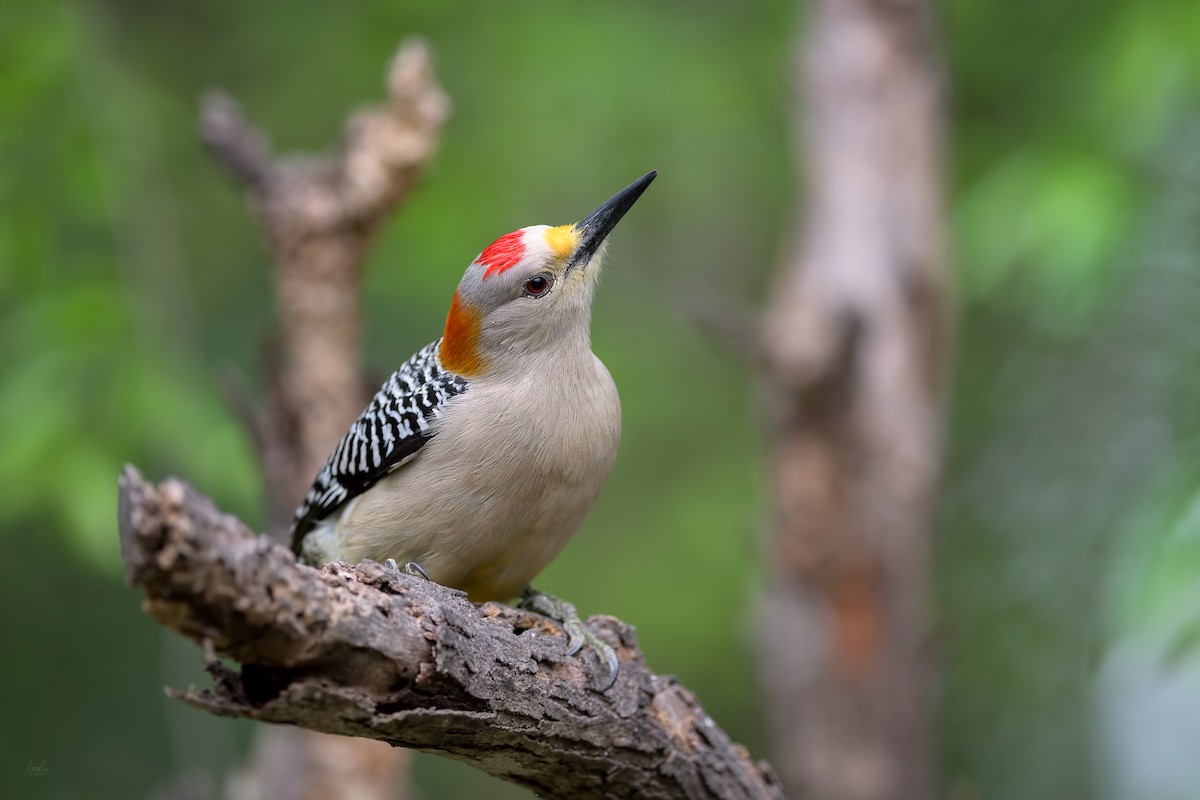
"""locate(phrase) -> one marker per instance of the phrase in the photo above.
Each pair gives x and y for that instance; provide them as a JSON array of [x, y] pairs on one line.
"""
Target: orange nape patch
[[459, 350], [503, 253], [562, 240]]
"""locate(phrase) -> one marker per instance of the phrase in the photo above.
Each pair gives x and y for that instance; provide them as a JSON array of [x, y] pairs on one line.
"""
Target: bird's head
[[530, 290]]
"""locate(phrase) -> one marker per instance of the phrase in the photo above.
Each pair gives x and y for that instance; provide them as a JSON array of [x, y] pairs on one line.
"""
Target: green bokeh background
[[1067, 599]]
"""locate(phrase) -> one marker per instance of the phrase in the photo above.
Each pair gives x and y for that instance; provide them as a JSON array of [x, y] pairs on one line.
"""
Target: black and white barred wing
[[396, 424]]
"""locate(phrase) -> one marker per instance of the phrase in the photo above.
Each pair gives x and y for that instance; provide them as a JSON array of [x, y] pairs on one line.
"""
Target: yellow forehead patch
[[562, 240]]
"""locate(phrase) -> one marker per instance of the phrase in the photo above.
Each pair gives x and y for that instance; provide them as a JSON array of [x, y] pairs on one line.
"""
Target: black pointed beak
[[598, 224]]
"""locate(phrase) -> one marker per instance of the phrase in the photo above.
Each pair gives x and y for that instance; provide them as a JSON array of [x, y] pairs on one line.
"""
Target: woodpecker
[[480, 456]]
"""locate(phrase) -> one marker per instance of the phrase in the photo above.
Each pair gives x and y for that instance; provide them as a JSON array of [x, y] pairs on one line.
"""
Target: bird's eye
[[537, 286]]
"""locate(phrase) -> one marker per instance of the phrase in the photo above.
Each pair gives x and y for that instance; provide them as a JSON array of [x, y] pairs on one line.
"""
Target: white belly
[[496, 494]]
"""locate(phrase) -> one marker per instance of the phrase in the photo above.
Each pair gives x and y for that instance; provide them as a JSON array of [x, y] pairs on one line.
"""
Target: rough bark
[[320, 214], [854, 346], [364, 651]]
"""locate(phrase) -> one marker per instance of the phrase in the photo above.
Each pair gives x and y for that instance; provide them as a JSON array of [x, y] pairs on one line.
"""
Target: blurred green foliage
[[131, 279]]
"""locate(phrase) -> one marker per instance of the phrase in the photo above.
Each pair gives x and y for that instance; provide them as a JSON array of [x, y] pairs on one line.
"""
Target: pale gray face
[[523, 267], [527, 289], [531, 290]]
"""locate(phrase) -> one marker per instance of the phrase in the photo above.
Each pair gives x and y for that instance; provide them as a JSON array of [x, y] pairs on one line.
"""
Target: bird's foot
[[415, 570], [411, 568], [577, 633]]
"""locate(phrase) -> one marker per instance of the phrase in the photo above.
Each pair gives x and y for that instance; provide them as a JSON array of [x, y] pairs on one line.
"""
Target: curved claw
[[414, 569], [575, 640], [614, 667], [411, 568], [577, 633]]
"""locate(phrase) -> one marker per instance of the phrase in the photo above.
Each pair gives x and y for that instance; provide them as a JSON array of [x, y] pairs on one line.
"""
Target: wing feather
[[397, 423]]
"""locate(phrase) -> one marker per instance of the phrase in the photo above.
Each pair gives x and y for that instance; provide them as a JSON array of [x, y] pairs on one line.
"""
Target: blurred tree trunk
[[856, 342], [320, 215]]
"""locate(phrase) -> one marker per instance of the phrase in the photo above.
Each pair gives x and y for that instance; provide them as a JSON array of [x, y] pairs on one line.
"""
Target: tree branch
[[364, 651], [320, 214]]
